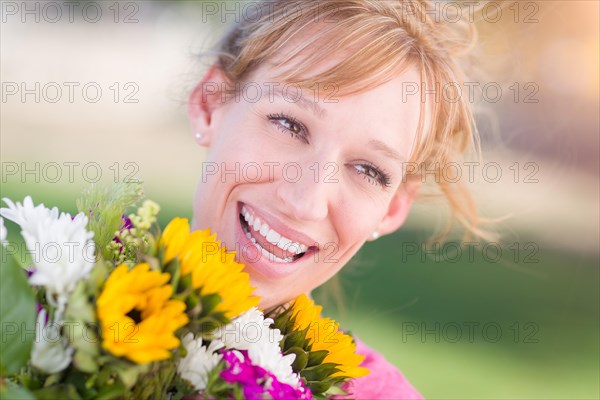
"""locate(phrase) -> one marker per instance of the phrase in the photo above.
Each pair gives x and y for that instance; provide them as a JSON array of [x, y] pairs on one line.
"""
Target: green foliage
[[155, 383], [215, 386], [301, 359], [104, 207], [82, 333], [181, 388], [316, 374], [61, 391], [11, 391], [17, 315], [316, 357]]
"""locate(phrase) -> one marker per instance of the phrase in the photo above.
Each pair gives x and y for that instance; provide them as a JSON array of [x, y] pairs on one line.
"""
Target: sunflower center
[[135, 315]]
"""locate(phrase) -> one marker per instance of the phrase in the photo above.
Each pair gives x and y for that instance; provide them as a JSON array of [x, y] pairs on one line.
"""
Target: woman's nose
[[304, 194]]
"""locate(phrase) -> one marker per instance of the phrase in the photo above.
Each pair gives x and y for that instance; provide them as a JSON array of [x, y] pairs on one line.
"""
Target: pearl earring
[[375, 235], [198, 136]]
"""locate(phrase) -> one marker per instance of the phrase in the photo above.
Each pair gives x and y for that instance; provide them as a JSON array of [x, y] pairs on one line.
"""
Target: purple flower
[[256, 381], [241, 371], [126, 224], [283, 391], [253, 391]]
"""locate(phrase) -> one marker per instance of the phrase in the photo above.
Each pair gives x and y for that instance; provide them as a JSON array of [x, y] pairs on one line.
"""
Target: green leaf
[[237, 391], [295, 339], [80, 322], [114, 391], [17, 315], [281, 320], [85, 361], [301, 358], [14, 392], [319, 372], [316, 357], [154, 383], [99, 274], [319, 387], [209, 303], [61, 391], [216, 386], [336, 390], [79, 381], [129, 373], [208, 324]]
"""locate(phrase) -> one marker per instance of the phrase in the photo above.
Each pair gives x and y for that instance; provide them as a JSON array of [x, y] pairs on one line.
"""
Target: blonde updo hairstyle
[[382, 38]]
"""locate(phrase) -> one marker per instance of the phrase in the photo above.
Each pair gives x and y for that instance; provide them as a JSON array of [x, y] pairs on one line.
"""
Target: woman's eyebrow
[[295, 96], [385, 149]]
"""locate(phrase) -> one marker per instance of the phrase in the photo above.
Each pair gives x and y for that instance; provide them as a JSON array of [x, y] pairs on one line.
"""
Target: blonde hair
[[382, 38]]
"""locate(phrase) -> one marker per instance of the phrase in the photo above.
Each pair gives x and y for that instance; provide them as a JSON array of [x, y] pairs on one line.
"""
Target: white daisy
[[51, 352], [250, 331], [199, 361], [62, 249], [27, 215]]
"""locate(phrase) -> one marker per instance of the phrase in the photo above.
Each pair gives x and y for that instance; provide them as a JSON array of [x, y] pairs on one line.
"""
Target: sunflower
[[137, 315], [325, 334], [213, 270]]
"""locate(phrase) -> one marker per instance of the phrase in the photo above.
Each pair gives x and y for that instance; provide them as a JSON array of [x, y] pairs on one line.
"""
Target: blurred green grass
[[535, 326], [547, 313]]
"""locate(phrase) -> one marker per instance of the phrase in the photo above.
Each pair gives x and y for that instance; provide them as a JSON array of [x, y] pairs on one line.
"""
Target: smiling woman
[[323, 221], [330, 107]]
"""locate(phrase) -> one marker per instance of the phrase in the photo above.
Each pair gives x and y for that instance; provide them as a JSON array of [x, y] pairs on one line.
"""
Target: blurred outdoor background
[[518, 319]]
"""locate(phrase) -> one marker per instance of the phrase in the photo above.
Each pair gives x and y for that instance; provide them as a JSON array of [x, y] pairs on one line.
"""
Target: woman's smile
[[273, 243], [269, 247]]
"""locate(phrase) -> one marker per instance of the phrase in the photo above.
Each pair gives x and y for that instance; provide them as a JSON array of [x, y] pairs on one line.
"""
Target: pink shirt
[[384, 382]]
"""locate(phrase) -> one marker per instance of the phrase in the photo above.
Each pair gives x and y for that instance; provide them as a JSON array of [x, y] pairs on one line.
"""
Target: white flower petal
[[251, 331], [199, 361], [3, 232], [61, 247], [51, 353]]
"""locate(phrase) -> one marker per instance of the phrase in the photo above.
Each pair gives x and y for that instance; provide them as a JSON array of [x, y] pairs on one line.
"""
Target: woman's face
[[295, 183]]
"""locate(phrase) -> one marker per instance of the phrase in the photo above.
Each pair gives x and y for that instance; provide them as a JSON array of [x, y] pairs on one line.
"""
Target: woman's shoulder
[[384, 381]]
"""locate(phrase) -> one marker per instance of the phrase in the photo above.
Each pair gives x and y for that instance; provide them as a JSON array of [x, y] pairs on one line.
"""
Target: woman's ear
[[399, 207], [207, 97]]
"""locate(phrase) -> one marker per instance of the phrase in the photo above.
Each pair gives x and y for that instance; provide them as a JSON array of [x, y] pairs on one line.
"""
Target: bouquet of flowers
[[110, 307]]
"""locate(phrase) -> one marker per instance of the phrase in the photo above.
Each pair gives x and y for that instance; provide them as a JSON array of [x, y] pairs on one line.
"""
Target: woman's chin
[[268, 298]]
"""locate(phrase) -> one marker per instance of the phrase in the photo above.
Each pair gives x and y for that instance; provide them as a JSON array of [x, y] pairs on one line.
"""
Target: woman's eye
[[373, 175], [289, 125]]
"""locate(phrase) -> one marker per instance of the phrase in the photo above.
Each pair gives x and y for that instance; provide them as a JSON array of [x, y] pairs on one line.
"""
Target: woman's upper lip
[[280, 227]]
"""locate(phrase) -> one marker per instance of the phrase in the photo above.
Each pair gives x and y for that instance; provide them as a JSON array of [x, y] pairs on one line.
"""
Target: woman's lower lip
[[250, 256]]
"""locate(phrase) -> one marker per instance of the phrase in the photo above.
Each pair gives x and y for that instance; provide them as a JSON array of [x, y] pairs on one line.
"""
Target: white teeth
[[249, 236], [294, 248], [264, 229], [248, 217], [283, 243], [272, 237], [272, 256]]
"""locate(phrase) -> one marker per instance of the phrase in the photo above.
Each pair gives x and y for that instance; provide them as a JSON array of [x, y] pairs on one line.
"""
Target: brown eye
[[373, 175], [289, 125], [292, 126]]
